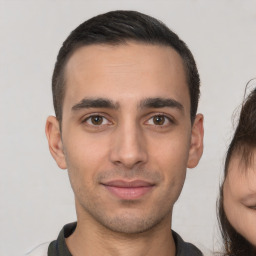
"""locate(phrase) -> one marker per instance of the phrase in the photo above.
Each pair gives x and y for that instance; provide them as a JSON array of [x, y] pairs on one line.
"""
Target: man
[[125, 91]]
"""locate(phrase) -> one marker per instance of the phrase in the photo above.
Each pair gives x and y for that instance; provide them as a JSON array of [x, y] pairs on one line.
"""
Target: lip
[[128, 190]]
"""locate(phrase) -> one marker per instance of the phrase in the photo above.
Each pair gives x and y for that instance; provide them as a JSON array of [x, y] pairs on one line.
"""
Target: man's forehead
[[94, 61], [126, 53], [130, 69]]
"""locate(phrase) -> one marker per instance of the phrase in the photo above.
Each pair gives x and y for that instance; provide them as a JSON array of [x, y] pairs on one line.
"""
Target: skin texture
[[129, 141], [239, 193]]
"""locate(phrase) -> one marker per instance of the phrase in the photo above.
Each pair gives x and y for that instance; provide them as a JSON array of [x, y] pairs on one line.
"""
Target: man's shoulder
[[183, 248], [40, 250]]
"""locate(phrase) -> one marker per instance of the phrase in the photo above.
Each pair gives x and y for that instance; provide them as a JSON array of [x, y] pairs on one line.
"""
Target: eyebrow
[[161, 103], [146, 103], [95, 103]]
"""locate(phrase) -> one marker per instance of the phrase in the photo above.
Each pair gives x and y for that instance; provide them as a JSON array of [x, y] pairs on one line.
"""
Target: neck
[[92, 239]]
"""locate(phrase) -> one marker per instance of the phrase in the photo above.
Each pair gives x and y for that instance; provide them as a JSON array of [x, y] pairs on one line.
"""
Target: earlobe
[[196, 144], [53, 134]]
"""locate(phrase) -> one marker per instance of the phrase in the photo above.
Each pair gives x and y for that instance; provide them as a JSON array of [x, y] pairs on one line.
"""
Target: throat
[[89, 242]]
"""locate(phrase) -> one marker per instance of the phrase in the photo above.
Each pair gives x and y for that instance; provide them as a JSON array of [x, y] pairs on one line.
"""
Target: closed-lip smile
[[128, 190]]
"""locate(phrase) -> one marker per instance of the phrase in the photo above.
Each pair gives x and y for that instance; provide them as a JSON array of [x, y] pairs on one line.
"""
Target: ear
[[196, 144], [53, 134]]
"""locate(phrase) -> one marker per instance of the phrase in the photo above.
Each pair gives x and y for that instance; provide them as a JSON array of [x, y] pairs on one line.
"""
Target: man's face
[[126, 134]]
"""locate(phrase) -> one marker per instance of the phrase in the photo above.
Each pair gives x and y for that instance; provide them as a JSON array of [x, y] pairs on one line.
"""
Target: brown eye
[[97, 120], [159, 120]]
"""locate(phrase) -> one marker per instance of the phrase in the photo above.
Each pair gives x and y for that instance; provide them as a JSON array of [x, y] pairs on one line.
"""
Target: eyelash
[[161, 115], [86, 119]]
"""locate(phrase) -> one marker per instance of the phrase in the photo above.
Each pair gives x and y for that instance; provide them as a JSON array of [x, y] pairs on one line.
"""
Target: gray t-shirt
[[59, 246]]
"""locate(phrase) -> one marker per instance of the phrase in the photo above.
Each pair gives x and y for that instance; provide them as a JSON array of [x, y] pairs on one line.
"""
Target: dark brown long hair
[[243, 142]]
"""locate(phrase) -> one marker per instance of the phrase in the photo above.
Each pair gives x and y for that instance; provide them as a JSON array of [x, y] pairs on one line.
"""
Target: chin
[[129, 223], [130, 227]]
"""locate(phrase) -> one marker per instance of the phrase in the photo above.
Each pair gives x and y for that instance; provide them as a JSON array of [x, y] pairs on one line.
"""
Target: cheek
[[232, 209], [247, 228], [170, 157], [231, 204], [84, 156], [170, 151], [241, 218]]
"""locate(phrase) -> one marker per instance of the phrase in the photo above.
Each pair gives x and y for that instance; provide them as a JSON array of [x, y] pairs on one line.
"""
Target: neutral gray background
[[35, 196]]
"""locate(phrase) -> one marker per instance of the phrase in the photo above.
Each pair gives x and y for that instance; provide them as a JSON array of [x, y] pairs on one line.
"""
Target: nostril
[[128, 159]]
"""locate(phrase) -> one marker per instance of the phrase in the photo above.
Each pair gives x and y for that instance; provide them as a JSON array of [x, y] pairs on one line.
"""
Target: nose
[[128, 147]]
